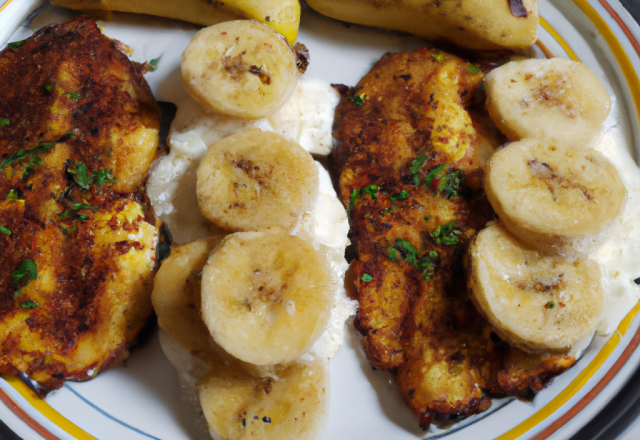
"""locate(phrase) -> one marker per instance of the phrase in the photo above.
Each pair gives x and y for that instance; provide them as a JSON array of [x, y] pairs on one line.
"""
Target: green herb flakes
[[13, 196], [101, 177], [78, 206], [27, 271], [74, 96], [4, 122], [407, 251], [372, 191], [393, 254], [439, 57], [434, 173], [358, 100], [48, 88], [41, 148], [451, 184], [399, 196], [367, 278], [473, 69], [5, 230], [446, 234], [153, 64], [353, 199], [16, 44], [81, 175], [387, 210], [27, 304]]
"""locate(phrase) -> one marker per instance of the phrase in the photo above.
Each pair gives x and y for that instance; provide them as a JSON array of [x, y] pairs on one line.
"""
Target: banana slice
[[292, 406], [176, 294], [555, 198], [535, 302], [254, 180], [555, 99], [266, 296], [240, 68]]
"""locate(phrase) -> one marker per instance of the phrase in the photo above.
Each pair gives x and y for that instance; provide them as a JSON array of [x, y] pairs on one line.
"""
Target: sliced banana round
[[267, 296], [536, 302], [240, 68], [255, 180], [291, 406], [548, 99], [555, 198], [176, 294]]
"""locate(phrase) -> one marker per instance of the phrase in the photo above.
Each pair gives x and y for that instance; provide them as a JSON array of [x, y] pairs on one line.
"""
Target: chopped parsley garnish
[[64, 230], [434, 254], [81, 175], [4, 122], [75, 96], [41, 148], [439, 57], [451, 184], [34, 161], [367, 278], [372, 191], [153, 65], [472, 68], [78, 206], [427, 218], [101, 177], [446, 234], [353, 199], [393, 254], [551, 305], [434, 173], [27, 271], [5, 230], [407, 251], [415, 168], [402, 195], [387, 210], [48, 88], [27, 304], [15, 44], [13, 196], [358, 100], [69, 214]]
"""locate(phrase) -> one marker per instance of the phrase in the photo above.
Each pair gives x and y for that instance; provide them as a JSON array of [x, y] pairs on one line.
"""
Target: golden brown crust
[[447, 359], [69, 92]]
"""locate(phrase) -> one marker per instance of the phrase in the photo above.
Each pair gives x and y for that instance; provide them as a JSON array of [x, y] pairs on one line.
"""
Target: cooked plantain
[[473, 24], [282, 15], [78, 264]]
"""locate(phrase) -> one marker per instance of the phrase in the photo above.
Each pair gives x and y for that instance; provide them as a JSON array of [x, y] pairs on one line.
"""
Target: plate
[[140, 400]]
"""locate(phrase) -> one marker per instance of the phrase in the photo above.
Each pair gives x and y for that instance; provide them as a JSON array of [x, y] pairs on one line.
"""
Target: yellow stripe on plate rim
[[634, 84]]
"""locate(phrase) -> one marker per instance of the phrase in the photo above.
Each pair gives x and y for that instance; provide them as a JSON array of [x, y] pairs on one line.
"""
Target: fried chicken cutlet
[[410, 157], [78, 131]]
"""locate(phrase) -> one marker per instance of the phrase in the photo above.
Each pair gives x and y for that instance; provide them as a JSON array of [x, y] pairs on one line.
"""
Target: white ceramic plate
[[140, 401]]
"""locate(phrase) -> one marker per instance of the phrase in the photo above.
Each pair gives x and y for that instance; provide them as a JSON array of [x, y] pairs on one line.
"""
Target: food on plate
[[411, 176], [536, 302], [473, 24], [267, 296], [176, 294], [292, 405], [78, 247], [282, 15], [240, 68], [555, 198], [553, 99], [254, 180]]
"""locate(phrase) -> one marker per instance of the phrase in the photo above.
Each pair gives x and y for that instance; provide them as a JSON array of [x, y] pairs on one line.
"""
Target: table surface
[[619, 420]]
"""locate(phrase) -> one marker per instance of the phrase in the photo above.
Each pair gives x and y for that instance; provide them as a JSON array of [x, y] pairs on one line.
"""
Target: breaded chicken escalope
[[410, 158], [78, 131]]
